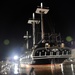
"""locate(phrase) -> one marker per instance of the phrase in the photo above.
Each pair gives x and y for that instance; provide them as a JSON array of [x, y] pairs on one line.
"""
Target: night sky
[[14, 16]]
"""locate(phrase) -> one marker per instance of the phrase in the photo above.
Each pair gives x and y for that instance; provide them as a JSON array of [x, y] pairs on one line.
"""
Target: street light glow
[[16, 57]]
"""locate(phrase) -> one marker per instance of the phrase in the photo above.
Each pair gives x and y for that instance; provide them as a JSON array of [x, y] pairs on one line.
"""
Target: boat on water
[[48, 56]]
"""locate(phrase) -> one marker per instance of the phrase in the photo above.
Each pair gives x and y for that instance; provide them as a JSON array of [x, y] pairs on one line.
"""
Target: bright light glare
[[16, 69], [16, 57]]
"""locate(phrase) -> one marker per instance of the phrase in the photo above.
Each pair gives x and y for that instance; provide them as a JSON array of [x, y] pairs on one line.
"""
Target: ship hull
[[49, 69]]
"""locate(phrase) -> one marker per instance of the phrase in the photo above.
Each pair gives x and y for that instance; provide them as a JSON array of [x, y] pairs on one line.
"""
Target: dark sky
[[14, 16]]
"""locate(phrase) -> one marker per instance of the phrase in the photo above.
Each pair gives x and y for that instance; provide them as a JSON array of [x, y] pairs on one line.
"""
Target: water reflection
[[50, 67]]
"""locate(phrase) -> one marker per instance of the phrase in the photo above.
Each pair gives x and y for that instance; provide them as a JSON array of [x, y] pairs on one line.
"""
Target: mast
[[33, 30], [33, 22], [42, 11], [27, 38]]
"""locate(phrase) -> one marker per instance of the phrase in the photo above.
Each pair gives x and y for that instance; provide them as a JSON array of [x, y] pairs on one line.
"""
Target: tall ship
[[49, 56]]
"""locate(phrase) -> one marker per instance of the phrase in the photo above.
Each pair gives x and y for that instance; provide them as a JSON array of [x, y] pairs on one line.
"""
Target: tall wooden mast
[[42, 11], [33, 22]]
